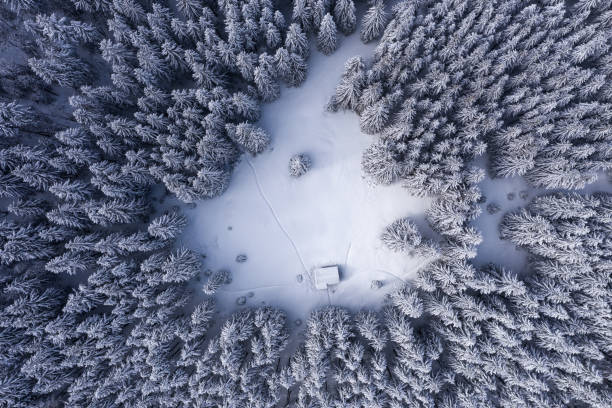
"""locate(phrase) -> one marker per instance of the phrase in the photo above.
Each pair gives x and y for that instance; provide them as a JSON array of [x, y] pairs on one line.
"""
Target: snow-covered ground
[[287, 226], [511, 194]]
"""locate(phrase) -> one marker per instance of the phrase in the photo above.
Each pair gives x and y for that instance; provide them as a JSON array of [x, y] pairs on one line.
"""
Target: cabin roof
[[326, 275]]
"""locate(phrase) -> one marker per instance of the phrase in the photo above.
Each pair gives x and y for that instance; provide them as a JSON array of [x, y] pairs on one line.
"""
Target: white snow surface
[[288, 226]]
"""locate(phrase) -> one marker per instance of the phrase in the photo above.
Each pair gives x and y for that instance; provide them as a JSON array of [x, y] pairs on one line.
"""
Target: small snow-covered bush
[[299, 165], [493, 208]]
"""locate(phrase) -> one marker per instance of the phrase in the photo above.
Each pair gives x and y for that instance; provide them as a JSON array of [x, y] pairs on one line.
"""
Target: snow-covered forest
[[173, 172]]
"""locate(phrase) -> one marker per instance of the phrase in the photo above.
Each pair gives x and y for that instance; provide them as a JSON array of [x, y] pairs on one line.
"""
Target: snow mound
[[288, 226]]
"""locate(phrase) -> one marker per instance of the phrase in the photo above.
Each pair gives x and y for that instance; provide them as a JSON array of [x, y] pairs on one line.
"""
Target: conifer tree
[[296, 41], [19, 6], [254, 140], [167, 226], [191, 9], [344, 15], [374, 21], [327, 39], [302, 14]]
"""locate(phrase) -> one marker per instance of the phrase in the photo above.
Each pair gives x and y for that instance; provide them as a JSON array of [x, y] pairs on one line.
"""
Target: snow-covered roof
[[326, 275]]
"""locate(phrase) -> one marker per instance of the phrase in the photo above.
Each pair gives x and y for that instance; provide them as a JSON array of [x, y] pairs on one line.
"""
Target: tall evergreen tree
[[327, 39]]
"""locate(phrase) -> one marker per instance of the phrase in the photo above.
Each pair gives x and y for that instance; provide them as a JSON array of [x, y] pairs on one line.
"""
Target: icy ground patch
[[287, 226]]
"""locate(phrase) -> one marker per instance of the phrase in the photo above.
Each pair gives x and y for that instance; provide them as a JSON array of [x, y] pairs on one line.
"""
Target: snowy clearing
[[287, 226], [510, 194]]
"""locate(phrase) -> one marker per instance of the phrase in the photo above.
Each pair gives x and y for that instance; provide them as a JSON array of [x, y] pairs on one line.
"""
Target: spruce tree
[[374, 21], [344, 15], [327, 39]]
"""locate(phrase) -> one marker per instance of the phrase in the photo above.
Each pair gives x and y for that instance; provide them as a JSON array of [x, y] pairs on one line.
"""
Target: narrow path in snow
[[392, 274], [348, 253], [278, 222]]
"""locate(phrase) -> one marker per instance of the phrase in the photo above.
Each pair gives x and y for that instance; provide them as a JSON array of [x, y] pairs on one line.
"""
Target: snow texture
[[290, 226]]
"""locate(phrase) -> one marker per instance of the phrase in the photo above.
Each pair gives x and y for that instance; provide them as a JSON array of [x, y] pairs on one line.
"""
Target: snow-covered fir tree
[[327, 39]]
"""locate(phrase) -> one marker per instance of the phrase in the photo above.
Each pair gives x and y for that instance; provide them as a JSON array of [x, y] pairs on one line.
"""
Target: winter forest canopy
[[118, 116]]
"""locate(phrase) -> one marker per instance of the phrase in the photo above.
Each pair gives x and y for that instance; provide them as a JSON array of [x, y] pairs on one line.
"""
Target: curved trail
[[280, 225], [389, 273], [419, 266]]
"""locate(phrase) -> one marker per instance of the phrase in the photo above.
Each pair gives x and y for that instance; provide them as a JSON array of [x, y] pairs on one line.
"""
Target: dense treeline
[[527, 81], [95, 298]]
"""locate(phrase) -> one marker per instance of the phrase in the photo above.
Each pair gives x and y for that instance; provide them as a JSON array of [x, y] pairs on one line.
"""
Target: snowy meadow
[[288, 226]]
